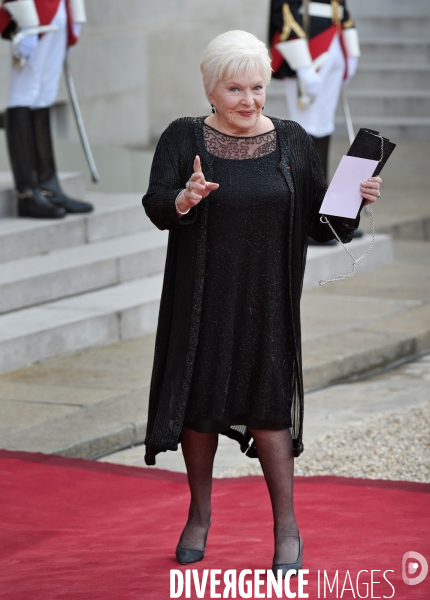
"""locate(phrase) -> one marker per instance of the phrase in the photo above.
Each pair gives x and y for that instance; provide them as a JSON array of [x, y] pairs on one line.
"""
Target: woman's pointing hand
[[196, 189]]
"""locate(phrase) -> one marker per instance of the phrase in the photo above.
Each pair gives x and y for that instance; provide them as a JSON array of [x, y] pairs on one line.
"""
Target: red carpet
[[75, 529]]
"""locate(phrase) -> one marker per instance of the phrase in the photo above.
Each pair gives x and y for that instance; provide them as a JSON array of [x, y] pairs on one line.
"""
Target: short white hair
[[231, 53]]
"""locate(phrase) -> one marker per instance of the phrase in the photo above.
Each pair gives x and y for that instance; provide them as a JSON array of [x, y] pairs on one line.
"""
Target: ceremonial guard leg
[[37, 65], [22, 154]]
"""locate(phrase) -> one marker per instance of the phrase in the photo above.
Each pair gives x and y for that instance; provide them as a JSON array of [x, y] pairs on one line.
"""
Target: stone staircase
[[83, 281], [96, 279], [391, 90]]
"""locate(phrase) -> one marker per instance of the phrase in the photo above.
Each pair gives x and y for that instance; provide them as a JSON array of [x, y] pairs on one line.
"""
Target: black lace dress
[[243, 372], [244, 334]]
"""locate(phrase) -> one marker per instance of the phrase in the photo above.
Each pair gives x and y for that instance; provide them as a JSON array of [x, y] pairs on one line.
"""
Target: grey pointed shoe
[[187, 556], [297, 565]]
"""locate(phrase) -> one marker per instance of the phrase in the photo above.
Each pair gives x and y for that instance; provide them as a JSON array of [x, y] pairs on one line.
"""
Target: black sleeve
[[165, 183], [12, 28], [10, 31], [321, 232]]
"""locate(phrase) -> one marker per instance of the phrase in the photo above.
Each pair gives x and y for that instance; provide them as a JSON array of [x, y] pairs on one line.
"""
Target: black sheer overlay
[[182, 310]]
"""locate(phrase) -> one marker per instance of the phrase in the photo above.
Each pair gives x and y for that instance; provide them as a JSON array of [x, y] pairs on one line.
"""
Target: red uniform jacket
[[46, 10]]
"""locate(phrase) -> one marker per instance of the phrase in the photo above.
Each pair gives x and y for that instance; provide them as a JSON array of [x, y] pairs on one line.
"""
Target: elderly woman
[[239, 192]]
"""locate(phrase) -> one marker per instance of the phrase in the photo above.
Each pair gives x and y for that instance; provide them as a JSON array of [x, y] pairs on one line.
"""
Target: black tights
[[275, 452]]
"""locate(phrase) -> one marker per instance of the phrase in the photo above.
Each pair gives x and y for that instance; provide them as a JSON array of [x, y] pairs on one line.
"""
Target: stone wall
[[136, 67]]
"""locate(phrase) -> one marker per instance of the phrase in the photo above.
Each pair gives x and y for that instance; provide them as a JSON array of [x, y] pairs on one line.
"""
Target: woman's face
[[238, 101]]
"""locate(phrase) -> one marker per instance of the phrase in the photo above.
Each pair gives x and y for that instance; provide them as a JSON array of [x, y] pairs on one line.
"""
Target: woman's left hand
[[370, 189]]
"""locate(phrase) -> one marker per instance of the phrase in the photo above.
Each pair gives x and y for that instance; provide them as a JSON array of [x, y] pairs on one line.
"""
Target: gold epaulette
[[349, 24], [290, 24]]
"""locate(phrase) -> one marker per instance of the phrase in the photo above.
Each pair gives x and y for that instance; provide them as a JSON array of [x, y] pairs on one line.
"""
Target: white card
[[343, 198]]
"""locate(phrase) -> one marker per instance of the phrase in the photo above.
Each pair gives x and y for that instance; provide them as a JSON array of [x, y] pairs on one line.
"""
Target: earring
[[213, 109], [262, 108]]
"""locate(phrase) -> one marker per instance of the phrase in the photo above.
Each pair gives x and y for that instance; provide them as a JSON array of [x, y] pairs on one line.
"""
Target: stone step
[[385, 77], [395, 103], [412, 229], [114, 215], [72, 183], [392, 26], [406, 51], [122, 311], [388, 76], [31, 281], [375, 102], [393, 128], [98, 318], [389, 8]]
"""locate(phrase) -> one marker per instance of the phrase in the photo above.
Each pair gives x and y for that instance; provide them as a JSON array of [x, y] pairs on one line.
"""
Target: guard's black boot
[[46, 165], [322, 147], [22, 155]]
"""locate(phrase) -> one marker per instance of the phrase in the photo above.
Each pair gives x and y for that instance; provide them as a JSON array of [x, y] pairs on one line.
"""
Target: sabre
[[347, 113], [350, 127], [79, 121]]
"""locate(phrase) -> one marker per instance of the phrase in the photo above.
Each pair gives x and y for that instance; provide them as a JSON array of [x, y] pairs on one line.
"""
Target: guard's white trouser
[[318, 118], [36, 84]]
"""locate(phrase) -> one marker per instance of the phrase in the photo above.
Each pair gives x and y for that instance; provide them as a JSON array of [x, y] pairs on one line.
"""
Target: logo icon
[[410, 568]]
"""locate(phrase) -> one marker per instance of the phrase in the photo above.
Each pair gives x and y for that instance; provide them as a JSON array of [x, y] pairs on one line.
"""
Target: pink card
[[343, 198]]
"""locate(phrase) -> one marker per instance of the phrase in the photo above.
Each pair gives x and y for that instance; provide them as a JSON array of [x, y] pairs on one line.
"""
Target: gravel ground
[[394, 446]]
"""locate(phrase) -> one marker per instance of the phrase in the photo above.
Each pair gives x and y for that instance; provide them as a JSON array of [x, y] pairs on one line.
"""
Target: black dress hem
[[223, 425]]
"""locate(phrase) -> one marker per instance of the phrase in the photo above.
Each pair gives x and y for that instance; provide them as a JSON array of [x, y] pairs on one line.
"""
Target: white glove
[[27, 46], [77, 27], [311, 79], [77, 32], [352, 62]]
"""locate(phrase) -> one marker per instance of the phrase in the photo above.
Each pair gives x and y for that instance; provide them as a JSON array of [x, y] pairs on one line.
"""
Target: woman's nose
[[247, 98]]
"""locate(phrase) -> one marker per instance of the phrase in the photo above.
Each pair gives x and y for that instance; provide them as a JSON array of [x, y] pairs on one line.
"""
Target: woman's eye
[[258, 87], [233, 89]]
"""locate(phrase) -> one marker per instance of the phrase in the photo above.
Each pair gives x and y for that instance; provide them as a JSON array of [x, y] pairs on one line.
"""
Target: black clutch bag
[[369, 144]]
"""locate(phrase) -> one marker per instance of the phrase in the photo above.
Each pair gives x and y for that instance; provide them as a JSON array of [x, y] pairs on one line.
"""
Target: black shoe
[[358, 233], [34, 204], [187, 556], [52, 191], [47, 172], [312, 242], [296, 566]]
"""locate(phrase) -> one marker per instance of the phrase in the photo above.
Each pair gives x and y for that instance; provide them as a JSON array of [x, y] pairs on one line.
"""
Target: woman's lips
[[246, 113]]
